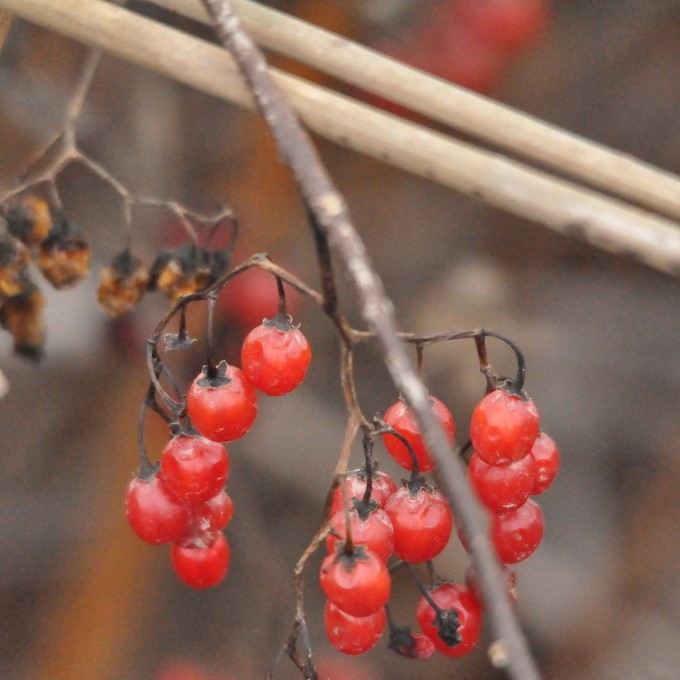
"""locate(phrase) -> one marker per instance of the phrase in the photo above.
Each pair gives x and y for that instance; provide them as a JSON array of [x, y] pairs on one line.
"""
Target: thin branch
[[560, 205], [466, 111], [332, 217]]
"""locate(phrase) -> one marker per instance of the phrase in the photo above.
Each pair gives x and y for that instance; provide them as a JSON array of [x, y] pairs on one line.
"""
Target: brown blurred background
[[81, 598]]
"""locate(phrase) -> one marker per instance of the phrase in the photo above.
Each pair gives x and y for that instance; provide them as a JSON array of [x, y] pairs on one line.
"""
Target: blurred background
[[82, 598]]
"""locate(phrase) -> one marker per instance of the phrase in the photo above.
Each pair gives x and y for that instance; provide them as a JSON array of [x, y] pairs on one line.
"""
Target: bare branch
[[332, 218]]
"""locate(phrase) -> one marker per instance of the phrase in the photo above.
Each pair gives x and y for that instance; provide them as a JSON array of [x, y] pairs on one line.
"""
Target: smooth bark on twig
[[332, 218], [444, 102], [557, 204]]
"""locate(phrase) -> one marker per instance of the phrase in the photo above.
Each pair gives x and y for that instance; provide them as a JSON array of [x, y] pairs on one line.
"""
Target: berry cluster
[[512, 460], [182, 500], [35, 233]]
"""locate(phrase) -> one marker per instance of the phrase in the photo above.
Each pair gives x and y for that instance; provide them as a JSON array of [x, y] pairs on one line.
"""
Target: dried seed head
[[14, 261], [22, 316], [29, 219], [64, 257], [122, 284], [187, 270]]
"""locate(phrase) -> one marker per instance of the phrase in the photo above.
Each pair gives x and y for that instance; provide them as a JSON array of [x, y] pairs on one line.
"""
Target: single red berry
[[509, 580], [502, 488], [547, 457], [275, 356], [211, 515], [517, 534], [353, 634], [469, 615], [222, 408], [503, 427], [154, 514], [382, 487], [400, 417], [358, 582], [505, 24], [194, 468], [422, 522], [373, 529], [202, 566]]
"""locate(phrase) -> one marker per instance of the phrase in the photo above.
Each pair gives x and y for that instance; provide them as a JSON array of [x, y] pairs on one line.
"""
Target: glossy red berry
[[382, 487], [358, 583], [275, 356], [154, 514], [202, 566], [353, 634], [400, 417], [194, 468], [375, 531], [502, 488], [517, 534], [547, 457], [422, 522], [469, 612], [211, 515], [503, 427], [222, 409]]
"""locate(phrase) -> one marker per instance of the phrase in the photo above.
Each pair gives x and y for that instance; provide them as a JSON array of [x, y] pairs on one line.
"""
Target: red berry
[[154, 514], [400, 417], [194, 468], [547, 457], [450, 596], [275, 356], [516, 534], [353, 634], [202, 567], [502, 488], [503, 428], [506, 24], [357, 583], [224, 410], [422, 522], [382, 487], [375, 532], [211, 515]]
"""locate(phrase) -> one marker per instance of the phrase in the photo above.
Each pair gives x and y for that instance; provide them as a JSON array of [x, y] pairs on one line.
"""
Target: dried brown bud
[[183, 272], [22, 316], [14, 260], [64, 257], [122, 284], [29, 219]]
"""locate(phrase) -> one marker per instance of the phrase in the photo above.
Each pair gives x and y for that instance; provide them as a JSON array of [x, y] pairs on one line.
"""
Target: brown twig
[[332, 218]]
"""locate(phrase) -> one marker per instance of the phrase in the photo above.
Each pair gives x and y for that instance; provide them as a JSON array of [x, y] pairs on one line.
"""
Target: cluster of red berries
[[183, 501], [413, 523]]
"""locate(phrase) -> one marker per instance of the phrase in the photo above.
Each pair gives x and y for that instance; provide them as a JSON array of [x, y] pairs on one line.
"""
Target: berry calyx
[[353, 634], [373, 529], [358, 582], [223, 406], [401, 418], [194, 468], [202, 566], [453, 600], [503, 427], [275, 356]]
